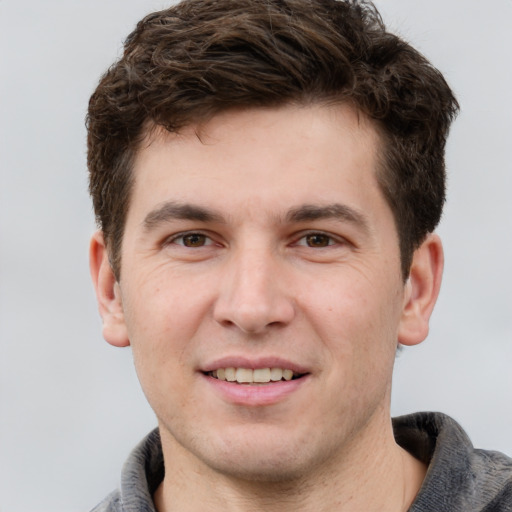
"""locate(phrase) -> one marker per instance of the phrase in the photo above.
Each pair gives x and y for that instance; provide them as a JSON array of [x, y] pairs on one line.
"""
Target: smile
[[256, 376]]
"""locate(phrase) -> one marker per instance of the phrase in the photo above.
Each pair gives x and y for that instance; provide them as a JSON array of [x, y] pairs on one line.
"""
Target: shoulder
[[492, 475], [459, 477], [142, 473], [112, 503]]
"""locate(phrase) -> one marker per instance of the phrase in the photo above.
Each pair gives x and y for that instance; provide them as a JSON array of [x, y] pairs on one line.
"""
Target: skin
[[262, 237]]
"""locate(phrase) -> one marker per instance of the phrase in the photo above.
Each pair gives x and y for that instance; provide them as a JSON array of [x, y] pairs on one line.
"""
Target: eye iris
[[194, 240], [317, 240]]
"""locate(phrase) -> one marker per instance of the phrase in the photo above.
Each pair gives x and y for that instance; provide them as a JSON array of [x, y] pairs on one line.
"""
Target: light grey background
[[70, 405]]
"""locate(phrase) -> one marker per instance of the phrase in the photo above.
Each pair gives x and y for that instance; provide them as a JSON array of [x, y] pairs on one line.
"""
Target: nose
[[253, 294]]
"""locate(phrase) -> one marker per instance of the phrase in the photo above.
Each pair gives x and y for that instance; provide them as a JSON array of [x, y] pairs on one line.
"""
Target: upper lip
[[253, 364]]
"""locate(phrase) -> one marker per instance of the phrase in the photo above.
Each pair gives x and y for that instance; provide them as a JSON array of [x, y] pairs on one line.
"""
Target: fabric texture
[[459, 477]]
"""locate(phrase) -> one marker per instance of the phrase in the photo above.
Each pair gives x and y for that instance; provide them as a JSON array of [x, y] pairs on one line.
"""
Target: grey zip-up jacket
[[460, 478]]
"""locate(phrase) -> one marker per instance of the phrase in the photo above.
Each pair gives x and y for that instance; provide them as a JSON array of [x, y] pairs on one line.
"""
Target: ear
[[421, 291], [108, 293]]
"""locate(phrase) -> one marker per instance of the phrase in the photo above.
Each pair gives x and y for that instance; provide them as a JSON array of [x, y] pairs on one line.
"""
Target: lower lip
[[255, 394]]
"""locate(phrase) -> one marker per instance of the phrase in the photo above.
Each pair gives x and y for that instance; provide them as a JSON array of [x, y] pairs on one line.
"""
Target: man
[[267, 177]]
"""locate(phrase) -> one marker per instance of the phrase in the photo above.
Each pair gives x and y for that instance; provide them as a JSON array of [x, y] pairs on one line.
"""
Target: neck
[[370, 476]]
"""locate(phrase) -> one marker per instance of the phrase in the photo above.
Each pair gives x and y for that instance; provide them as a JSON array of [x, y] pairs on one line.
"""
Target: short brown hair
[[184, 64]]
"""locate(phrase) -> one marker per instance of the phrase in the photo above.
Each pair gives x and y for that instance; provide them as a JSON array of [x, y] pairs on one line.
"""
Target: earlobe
[[107, 293], [421, 291]]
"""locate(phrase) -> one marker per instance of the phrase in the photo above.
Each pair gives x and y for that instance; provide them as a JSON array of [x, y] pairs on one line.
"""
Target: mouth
[[257, 376]]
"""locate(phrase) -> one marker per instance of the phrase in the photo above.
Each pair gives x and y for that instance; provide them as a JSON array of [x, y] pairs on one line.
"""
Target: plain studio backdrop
[[70, 405]]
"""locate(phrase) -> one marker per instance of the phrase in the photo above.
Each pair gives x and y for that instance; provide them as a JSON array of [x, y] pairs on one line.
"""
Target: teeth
[[276, 374], [261, 375], [244, 375], [287, 374], [249, 376], [230, 374]]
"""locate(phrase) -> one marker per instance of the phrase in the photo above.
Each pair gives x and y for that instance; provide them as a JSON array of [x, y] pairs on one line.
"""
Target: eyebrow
[[172, 210], [310, 212]]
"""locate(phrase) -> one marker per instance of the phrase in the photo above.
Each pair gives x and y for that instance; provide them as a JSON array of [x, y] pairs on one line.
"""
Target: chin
[[268, 458], [262, 470], [252, 452]]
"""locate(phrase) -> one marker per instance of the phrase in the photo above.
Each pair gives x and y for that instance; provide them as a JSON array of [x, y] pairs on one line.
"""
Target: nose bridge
[[252, 294], [254, 276]]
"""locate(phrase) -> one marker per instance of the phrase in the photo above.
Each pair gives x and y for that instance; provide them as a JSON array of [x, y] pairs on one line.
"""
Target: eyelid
[[335, 239], [182, 234]]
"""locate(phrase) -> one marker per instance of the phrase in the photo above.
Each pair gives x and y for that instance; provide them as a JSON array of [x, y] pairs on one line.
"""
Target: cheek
[[166, 306], [161, 323], [160, 326], [356, 320]]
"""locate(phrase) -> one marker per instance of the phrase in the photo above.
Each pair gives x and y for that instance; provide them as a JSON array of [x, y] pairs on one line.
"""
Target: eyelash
[[330, 239], [182, 236], [207, 240]]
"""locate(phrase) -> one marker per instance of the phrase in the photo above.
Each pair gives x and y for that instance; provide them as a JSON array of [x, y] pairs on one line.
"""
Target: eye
[[192, 240], [316, 240]]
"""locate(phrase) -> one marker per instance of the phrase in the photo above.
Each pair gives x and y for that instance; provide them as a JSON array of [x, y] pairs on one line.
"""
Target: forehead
[[267, 158]]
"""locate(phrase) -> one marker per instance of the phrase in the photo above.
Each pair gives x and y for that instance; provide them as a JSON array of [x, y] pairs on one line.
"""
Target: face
[[258, 247]]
